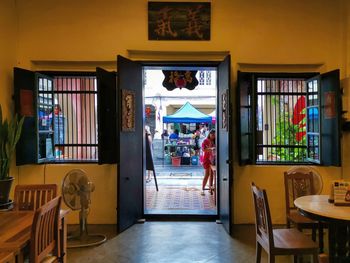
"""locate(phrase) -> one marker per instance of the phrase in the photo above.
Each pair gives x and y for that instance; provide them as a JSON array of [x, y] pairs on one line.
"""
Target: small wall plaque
[[128, 110], [224, 113]]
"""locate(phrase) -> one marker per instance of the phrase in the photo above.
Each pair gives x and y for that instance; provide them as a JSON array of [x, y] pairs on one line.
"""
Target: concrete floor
[[153, 242]]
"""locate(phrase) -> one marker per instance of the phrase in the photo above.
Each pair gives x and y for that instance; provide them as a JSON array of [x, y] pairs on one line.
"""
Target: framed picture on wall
[[178, 20]]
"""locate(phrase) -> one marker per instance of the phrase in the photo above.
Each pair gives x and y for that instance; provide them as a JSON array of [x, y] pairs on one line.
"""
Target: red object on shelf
[[176, 161]]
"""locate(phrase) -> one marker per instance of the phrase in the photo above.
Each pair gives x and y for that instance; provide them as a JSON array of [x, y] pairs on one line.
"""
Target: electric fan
[[76, 189]]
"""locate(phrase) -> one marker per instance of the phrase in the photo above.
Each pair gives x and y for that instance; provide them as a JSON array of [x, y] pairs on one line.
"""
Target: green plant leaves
[[10, 133]]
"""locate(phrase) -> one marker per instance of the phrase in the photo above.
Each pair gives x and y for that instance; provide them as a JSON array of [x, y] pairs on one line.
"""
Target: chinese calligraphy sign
[[180, 79], [178, 20], [224, 113], [128, 110]]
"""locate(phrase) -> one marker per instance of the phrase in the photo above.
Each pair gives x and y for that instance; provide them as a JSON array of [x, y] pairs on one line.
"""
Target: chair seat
[[292, 239], [297, 218]]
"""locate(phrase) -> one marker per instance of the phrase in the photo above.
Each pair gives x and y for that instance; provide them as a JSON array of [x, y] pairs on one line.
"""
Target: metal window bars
[[281, 120], [75, 118]]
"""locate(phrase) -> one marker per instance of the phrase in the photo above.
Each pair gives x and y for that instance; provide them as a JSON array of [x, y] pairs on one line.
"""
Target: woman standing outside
[[208, 147]]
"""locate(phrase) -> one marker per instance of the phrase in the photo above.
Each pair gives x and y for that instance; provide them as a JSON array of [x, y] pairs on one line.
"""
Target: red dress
[[207, 154]]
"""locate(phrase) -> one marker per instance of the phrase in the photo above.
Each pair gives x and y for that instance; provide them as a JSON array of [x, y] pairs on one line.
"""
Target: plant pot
[[5, 187]]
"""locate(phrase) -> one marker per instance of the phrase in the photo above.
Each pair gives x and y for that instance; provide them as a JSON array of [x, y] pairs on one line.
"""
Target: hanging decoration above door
[[180, 79]]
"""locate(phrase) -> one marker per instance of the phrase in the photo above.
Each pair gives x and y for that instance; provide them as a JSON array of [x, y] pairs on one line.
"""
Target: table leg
[[320, 236], [341, 243], [339, 240]]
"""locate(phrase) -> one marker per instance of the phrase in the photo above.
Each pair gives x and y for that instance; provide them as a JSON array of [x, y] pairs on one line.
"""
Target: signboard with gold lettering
[[180, 79], [128, 110], [179, 20]]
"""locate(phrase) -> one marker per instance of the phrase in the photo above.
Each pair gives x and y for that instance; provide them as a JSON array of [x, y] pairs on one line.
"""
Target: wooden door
[[130, 165], [224, 153]]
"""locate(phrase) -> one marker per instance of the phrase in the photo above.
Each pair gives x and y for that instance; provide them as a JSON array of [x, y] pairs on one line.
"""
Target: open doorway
[[131, 139], [178, 118]]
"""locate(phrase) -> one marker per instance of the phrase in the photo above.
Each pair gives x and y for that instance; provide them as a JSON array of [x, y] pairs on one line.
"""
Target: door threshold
[[184, 217]]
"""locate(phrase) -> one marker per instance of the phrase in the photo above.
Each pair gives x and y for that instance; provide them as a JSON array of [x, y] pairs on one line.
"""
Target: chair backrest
[[32, 196], [263, 225], [45, 231], [297, 184]]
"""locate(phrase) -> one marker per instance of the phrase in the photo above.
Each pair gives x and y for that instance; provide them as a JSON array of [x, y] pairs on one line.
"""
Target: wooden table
[[318, 208], [15, 230]]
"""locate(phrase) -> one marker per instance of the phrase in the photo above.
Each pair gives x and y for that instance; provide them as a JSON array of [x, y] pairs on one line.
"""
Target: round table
[[337, 218]]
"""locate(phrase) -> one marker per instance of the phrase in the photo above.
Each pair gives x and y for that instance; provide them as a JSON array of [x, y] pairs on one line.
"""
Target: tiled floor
[[179, 200], [175, 242], [179, 192]]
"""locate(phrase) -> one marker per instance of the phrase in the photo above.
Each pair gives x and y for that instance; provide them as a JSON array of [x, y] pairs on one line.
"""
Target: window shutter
[[313, 138], [245, 118], [330, 118], [107, 116], [25, 105]]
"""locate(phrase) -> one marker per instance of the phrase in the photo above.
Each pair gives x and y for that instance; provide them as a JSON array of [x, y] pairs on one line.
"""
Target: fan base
[[85, 240]]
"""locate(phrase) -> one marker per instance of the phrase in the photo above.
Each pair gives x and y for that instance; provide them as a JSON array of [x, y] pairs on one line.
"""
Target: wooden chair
[[277, 241], [299, 184], [32, 196], [45, 233]]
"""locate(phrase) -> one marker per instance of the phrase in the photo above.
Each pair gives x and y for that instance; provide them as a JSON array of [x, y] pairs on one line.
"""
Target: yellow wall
[[103, 199], [8, 43], [346, 15], [8, 51], [310, 34]]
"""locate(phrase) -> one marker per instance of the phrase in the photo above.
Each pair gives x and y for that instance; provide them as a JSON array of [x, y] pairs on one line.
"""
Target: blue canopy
[[187, 114]]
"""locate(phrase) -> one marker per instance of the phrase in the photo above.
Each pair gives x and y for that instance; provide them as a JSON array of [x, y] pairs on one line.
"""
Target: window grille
[[281, 120], [75, 118], [208, 78], [201, 77]]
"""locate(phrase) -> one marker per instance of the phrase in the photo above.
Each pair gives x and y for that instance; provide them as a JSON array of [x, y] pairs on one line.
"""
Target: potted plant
[[10, 132]]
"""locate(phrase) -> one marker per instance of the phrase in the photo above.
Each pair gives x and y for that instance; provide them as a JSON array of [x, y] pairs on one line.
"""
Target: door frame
[[185, 63]]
